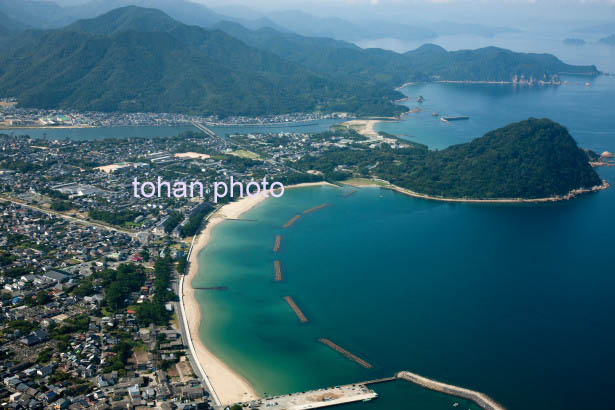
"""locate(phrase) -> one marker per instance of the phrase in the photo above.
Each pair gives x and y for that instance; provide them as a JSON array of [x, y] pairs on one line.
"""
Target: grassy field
[[358, 182], [245, 154]]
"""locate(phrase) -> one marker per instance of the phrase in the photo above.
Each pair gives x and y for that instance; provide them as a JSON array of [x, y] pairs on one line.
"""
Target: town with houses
[[11, 116], [89, 314]]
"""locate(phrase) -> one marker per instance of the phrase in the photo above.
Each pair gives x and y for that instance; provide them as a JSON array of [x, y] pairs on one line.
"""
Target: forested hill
[[135, 59], [376, 66], [139, 59], [536, 158]]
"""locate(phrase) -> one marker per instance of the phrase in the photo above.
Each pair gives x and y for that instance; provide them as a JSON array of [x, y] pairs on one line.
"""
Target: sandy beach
[[363, 127], [229, 386]]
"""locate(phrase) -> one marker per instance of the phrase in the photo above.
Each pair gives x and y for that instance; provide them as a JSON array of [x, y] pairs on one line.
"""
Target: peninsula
[[534, 160]]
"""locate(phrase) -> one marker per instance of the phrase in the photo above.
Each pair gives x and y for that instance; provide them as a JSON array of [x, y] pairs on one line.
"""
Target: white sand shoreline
[[229, 386]]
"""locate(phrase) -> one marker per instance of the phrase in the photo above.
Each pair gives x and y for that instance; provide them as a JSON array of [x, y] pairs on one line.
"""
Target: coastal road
[[185, 328]]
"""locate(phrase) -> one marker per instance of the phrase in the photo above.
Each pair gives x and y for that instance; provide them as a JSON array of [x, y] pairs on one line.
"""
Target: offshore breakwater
[[345, 353], [278, 243], [277, 267], [481, 399], [291, 302], [292, 221]]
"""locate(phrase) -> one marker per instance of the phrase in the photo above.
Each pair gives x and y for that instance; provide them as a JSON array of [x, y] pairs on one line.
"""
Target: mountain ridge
[[135, 59], [149, 61]]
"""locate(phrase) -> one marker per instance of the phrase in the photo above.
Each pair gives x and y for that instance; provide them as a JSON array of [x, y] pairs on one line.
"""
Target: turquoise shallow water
[[512, 300]]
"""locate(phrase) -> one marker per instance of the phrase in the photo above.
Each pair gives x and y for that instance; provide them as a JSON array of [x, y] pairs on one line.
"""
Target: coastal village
[[89, 310], [91, 307], [11, 117]]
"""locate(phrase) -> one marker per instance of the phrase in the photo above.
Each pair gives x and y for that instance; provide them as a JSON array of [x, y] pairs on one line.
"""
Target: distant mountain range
[[604, 28], [609, 40], [136, 59], [46, 14], [141, 59], [39, 14], [387, 68], [308, 25], [574, 41], [9, 26]]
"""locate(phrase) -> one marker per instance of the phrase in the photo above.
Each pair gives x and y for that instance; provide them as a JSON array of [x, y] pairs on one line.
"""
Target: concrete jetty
[[479, 398], [382, 380], [277, 266], [347, 194], [333, 396], [315, 399], [292, 221], [345, 353], [278, 243], [302, 317], [316, 208]]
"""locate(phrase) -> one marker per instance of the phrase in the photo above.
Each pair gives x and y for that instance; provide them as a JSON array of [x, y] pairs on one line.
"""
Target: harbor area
[[315, 399]]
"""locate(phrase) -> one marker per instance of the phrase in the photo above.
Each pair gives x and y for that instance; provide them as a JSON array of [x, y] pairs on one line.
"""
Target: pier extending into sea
[[320, 398], [333, 396]]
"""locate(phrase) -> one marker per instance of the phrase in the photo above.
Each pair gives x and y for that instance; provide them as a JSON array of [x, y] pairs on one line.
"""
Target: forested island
[[531, 159]]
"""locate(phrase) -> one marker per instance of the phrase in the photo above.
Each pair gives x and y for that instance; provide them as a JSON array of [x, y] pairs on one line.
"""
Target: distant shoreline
[[293, 124], [494, 82], [46, 127]]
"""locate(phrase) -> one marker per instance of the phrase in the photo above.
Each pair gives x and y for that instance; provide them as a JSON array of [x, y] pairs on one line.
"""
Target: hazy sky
[[518, 13]]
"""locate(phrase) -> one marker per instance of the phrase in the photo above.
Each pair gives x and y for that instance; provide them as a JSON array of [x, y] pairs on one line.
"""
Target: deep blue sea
[[512, 300]]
